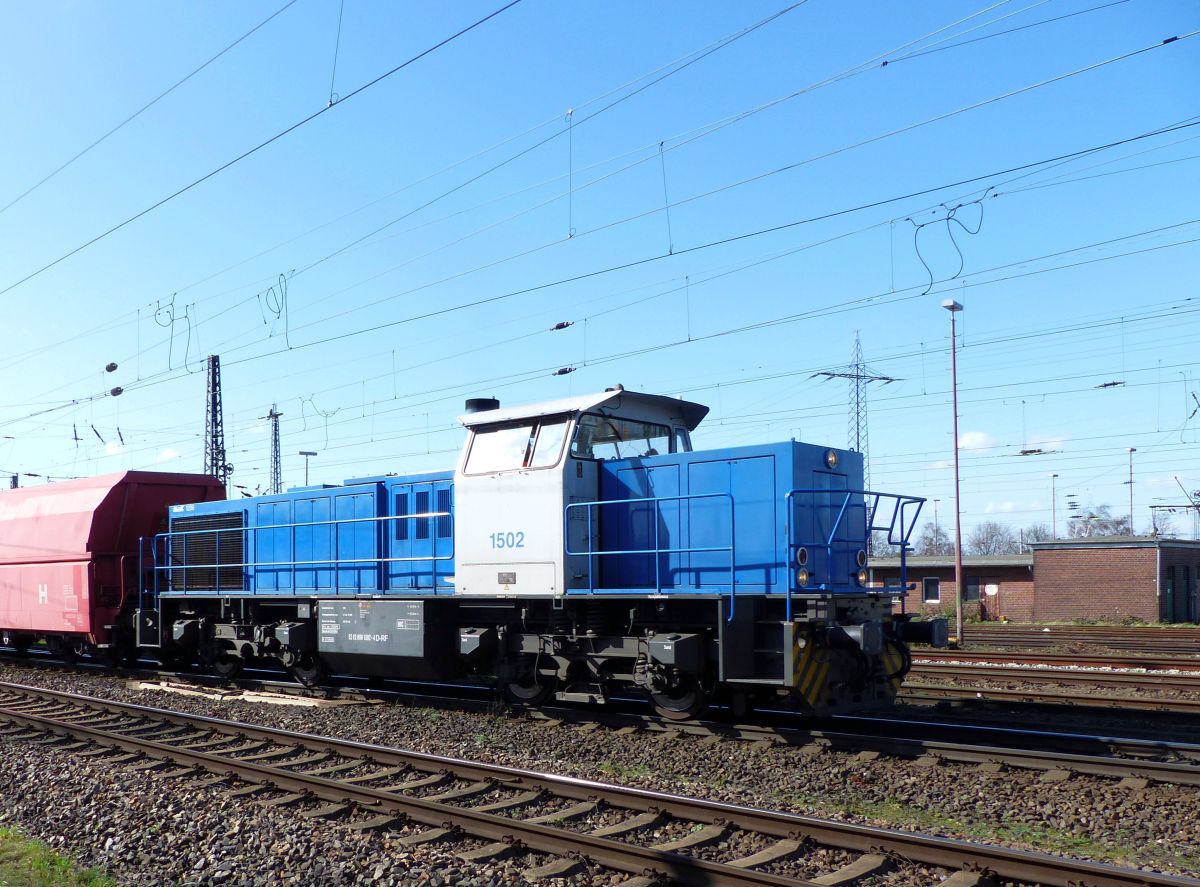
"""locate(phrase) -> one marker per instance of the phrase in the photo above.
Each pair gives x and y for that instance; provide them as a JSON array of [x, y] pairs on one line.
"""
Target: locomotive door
[[420, 547], [357, 549]]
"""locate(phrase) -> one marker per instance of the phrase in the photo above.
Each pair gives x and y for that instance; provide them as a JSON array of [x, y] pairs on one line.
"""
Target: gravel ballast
[[1155, 827]]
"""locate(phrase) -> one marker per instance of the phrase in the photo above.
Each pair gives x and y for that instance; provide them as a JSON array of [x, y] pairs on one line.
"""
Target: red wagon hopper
[[69, 554]]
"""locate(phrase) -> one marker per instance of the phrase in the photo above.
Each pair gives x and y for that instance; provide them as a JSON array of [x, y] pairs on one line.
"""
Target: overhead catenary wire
[[146, 107], [162, 376], [254, 150], [658, 76], [691, 57]]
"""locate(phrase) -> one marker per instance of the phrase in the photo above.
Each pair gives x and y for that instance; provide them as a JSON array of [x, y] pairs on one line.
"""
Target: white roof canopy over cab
[[616, 402]]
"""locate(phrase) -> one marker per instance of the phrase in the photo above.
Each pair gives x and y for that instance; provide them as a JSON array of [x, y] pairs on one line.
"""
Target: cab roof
[[618, 402]]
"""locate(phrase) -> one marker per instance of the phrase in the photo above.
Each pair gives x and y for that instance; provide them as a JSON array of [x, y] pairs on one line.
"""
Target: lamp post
[[1132, 450], [306, 454], [1053, 508], [954, 307]]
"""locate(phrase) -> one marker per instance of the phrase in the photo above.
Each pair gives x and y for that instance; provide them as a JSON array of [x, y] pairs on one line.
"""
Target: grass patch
[[620, 771], [28, 863]]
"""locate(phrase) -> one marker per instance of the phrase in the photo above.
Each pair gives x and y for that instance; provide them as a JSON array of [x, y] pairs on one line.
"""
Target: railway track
[[1147, 663], [1078, 700], [1185, 683], [1120, 758], [449, 799], [1167, 762], [1149, 639]]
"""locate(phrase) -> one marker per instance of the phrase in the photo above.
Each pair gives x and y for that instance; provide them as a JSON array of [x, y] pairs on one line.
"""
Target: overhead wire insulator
[[562, 325], [563, 371]]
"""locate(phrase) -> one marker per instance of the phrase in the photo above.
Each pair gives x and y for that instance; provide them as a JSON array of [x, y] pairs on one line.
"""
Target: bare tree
[[1097, 521], [880, 547], [933, 542], [1035, 533], [1162, 523], [991, 537]]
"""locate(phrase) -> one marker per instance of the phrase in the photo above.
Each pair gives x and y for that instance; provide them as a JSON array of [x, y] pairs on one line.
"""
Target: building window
[[932, 587], [972, 590]]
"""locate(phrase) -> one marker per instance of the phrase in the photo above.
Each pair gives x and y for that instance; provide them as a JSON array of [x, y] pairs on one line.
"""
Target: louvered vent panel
[[208, 560]]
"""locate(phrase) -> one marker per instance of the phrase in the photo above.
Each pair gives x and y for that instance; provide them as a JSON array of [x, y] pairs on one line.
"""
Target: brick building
[[1148, 578], [996, 585], [1105, 577]]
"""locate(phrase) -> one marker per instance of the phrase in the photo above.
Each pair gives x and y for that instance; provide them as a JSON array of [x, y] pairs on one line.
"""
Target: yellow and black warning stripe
[[810, 669]]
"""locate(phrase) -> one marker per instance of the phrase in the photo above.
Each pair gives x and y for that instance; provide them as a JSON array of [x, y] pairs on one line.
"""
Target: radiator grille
[[221, 553]]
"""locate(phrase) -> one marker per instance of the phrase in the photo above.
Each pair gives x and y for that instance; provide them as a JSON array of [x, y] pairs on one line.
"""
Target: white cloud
[[940, 465], [975, 440], [167, 455], [1000, 507], [112, 448], [1047, 442]]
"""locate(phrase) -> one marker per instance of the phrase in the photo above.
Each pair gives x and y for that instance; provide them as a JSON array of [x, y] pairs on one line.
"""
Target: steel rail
[[1074, 700], [1112, 756], [1149, 663], [992, 672], [1185, 770], [946, 853]]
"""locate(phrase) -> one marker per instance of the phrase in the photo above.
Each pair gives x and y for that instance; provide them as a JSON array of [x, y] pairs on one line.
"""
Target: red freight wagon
[[69, 552]]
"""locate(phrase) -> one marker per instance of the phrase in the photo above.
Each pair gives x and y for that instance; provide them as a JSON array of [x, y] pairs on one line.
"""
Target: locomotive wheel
[[529, 687], [308, 669], [682, 700], [173, 660], [110, 657], [227, 667]]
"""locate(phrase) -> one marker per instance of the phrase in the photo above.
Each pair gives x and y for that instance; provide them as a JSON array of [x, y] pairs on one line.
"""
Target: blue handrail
[[657, 550], [160, 548], [898, 525]]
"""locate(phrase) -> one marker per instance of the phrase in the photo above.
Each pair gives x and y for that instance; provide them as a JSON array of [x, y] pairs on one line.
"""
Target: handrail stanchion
[[789, 507], [657, 562], [732, 563], [591, 555]]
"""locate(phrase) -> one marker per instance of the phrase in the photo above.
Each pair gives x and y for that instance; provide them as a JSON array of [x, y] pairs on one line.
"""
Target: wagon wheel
[[66, 649], [19, 643], [308, 669], [226, 667], [528, 687], [682, 700]]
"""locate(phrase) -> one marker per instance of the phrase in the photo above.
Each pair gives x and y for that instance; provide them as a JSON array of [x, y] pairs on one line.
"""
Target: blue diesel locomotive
[[579, 547]]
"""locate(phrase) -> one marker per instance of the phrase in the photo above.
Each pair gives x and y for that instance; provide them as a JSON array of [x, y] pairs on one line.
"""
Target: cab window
[[610, 437], [526, 444], [549, 444], [499, 448]]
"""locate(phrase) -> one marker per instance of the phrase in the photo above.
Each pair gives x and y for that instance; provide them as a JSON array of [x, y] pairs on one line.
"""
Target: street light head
[[1133, 449], [308, 453], [951, 305]]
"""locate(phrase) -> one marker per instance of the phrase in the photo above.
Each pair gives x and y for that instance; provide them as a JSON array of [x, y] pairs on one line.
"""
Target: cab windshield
[[525, 444], [610, 437]]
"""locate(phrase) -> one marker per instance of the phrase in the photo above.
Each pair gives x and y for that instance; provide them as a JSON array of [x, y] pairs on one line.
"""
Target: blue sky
[[1073, 275]]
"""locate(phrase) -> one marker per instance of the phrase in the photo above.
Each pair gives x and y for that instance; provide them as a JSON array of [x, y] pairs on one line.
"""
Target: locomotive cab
[[522, 468]]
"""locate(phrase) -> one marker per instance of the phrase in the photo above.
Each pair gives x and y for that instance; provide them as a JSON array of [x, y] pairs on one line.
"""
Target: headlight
[[862, 577], [861, 557], [802, 577], [831, 459], [801, 556]]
